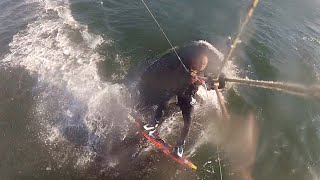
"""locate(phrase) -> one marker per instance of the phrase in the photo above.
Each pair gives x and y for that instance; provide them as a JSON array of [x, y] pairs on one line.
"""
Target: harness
[[194, 78]]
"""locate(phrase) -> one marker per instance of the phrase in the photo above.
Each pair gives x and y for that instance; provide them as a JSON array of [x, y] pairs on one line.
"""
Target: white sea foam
[[70, 94]]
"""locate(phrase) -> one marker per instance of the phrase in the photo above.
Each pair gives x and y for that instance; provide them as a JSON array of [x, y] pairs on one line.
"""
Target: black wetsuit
[[167, 77]]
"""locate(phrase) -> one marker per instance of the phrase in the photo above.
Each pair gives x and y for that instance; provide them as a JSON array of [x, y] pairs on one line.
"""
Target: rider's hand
[[222, 81], [210, 83]]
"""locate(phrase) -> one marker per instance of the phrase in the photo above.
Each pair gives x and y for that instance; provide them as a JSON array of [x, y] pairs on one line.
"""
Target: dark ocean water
[[62, 116]]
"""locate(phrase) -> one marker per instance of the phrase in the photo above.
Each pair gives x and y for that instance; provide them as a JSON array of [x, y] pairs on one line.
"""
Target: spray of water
[[74, 111]]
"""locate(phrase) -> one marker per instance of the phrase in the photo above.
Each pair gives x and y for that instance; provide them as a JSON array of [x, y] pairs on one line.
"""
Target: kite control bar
[[295, 89], [210, 82]]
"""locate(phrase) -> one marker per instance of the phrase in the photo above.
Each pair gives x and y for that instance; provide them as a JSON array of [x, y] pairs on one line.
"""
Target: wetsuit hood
[[192, 52]]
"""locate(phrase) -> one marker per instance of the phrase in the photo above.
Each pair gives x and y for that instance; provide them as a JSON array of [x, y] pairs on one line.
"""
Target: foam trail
[[74, 109]]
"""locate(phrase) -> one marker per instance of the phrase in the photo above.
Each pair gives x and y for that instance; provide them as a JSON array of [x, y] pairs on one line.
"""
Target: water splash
[[74, 110]]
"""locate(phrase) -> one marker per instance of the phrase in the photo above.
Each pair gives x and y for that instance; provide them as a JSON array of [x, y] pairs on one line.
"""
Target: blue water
[[62, 116]]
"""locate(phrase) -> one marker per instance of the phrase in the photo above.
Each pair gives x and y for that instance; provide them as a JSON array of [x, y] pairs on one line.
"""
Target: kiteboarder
[[178, 73]]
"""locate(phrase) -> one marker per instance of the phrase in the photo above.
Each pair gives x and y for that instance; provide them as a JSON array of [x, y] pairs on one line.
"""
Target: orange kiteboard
[[163, 146]]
